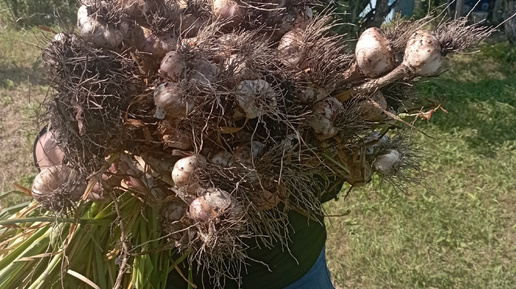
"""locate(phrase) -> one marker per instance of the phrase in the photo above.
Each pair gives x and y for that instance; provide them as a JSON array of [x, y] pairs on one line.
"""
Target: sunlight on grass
[[454, 229]]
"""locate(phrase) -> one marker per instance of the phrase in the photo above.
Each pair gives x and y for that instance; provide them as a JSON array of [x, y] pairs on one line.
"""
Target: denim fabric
[[317, 278]]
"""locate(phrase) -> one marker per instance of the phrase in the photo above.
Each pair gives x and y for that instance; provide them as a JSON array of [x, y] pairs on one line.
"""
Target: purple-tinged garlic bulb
[[203, 72], [170, 100], [100, 34], [228, 11], [159, 45], [373, 53], [255, 97], [323, 117], [172, 66]]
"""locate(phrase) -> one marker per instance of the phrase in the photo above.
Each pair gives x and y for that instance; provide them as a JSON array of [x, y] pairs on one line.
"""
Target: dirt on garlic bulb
[[373, 54], [58, 180], [184, 168], [423, 53]]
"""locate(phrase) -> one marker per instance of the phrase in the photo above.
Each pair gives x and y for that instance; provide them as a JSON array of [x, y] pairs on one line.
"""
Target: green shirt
[[307, 241]]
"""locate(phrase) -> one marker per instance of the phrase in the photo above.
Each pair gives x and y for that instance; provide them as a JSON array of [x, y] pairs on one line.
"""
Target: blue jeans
[[317, 278]]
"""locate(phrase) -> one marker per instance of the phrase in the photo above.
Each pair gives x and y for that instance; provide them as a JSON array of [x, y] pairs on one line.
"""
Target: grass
[[21, 92], [453, 230], [456, 228]]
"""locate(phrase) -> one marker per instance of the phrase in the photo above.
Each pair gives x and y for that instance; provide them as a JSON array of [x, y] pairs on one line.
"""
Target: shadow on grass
[[12, 76], [481, 105]]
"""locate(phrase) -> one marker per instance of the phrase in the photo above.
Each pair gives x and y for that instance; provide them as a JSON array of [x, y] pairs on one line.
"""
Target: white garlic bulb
[[58, 180], [291, 48], [323, 117], [373, 54], [184, 168], [423, 53], [255, 97], [98, 33], [385, 164], [371, 109]]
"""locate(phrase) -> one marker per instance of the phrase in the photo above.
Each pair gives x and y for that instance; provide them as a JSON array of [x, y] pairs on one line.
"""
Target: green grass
[[21, 91], [456, 228]]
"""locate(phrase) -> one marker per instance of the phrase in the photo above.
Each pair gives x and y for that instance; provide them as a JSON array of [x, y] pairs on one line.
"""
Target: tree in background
[[510, 25]]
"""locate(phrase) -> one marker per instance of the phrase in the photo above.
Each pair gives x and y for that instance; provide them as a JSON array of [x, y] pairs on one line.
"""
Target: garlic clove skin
[[184, 168], [323, 117], [385, 164], [170, 100], [255, 97], [373, 53], [423, 53]]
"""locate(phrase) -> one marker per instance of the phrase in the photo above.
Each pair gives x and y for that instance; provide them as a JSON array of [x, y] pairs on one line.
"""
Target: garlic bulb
[[373, 53], [371, 109], [255, 97], [98, 33], [385, 164], [203, 72], [170, 100], [184, 168], [172, 66], [222, 158], [58, 181], [200, 211], [228, 11], [323, 117], [423, 53], [160, 45], [422, 57], [212, 204], [291, 48]]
